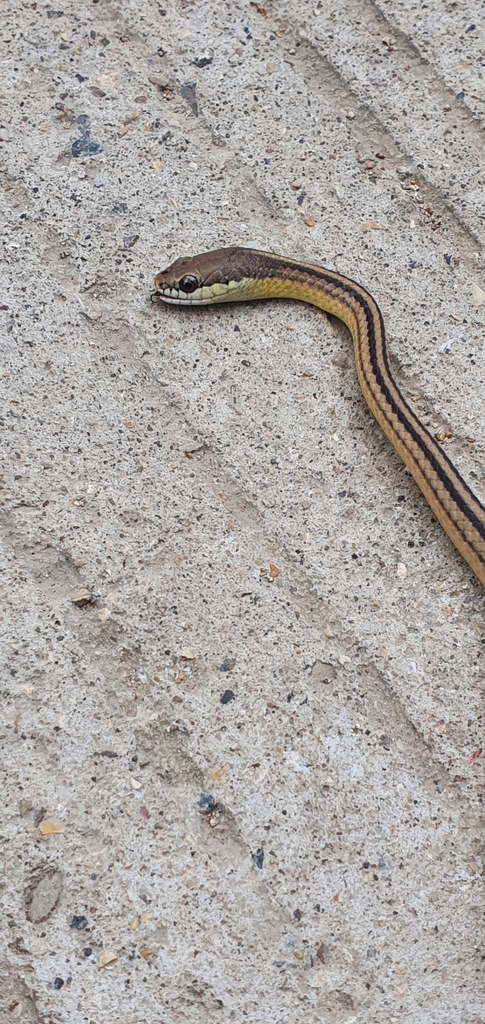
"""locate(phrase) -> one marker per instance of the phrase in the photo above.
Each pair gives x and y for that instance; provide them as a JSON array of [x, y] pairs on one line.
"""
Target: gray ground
[[216, 484]]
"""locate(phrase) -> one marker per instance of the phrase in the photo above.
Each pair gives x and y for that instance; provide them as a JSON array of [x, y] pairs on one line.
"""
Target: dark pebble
[[203, 61], [87, 951], [84, 146], [206, 803], [58, 983], [227, 696], [78, 922], [227, 665], [258, 858], [187, 93]]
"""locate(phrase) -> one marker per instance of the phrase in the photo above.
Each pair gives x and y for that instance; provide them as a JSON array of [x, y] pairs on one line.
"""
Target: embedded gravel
[[242, 666]]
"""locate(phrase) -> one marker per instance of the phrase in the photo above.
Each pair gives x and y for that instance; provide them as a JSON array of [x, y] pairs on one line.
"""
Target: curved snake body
[[237, 274]]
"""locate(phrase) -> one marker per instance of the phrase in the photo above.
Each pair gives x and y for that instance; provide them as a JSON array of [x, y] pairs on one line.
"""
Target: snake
[[237, 274]]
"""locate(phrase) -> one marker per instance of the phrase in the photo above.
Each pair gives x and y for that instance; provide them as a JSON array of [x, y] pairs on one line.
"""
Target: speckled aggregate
[[247, 759]]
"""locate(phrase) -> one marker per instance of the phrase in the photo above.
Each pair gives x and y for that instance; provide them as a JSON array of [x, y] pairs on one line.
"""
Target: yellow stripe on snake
[[236, 274]]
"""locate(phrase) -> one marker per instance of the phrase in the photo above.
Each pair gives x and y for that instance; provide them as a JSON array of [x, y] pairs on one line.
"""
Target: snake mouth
[[163, 290], [166, 295], [176, 299]]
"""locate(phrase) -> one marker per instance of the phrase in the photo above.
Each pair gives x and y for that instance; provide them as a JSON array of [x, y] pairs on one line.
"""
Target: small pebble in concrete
[[203, 59], [206, 803], [187, 93], [81, 597], [227, 665], [84, 146], [78, 922]]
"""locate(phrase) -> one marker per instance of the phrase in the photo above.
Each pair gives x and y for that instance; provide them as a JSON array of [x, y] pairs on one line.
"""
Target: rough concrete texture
[[213, 485]]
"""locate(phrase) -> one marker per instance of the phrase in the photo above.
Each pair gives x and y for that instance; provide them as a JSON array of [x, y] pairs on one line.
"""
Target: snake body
[[237, 274]]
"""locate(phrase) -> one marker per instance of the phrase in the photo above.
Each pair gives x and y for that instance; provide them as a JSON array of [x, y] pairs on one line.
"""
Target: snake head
[[217, 276], [179, 282]]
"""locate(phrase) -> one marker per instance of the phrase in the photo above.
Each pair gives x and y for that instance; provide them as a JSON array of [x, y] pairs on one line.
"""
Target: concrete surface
[[214, 482]]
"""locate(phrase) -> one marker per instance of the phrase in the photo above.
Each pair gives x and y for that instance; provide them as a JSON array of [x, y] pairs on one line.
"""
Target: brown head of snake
[[236, 274]]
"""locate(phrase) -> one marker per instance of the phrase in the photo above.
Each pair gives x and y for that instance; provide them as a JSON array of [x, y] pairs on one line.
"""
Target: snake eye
[[188, 283]]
